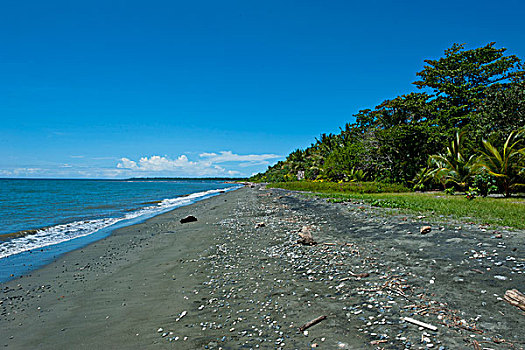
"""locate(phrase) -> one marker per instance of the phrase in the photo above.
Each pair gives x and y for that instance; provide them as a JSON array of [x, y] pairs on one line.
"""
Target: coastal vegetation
[[496, 212], [342, 187], [462, 132]]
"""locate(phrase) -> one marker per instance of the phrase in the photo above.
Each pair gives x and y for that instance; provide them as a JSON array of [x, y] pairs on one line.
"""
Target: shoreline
[[25, 261], [98, 263], [223, 282]]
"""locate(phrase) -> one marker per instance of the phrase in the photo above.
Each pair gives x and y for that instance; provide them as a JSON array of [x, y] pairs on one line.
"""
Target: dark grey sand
[[241, 286]]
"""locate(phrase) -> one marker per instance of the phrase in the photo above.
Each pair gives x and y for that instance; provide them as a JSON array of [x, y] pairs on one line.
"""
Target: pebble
[[425, 229], [262, 294]]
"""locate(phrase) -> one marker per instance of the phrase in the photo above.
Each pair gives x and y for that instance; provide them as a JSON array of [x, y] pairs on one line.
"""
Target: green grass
[[506, 212], [335, 187]]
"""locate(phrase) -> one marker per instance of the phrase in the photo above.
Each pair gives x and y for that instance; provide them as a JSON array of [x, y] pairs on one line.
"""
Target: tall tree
[[473, 92], [459, 80], [406, 134], [503, 110]]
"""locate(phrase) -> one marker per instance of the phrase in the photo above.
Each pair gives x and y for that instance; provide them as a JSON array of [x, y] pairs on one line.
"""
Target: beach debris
[[253, 275], [377, 342], [311, 323], [357, 275], [306, 236], [515, 298], [182, 314], [425, 229], [420, 324], [189, 218], [260, 224]]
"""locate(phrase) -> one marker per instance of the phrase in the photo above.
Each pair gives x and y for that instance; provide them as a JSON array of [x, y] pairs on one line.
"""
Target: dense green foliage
[[432, 138], [507, 164]]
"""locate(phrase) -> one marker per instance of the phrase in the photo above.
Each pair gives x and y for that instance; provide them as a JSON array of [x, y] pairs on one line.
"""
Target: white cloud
[[207, 165], [158, 163], [125, 163], [207, 154], [22, 172], [104, 158], [99, 173], [63, 171], [181, 166], [228, 156]]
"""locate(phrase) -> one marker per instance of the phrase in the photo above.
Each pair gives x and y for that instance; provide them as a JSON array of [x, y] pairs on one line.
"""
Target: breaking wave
[[36, 239]]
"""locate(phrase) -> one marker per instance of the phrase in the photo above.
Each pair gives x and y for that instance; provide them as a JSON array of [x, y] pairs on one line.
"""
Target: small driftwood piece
[[420, 324], [312, 323], [306, 236], [358, 275], [376, 342], [515, 298]]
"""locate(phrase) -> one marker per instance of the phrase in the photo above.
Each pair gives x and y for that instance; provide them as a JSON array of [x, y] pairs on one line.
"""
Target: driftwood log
[[358, 275], [420, 324], [515, 298], [306, 236], [312, 323]]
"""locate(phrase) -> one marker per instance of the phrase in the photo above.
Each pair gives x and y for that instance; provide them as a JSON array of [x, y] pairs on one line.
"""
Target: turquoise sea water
[[66, 214]]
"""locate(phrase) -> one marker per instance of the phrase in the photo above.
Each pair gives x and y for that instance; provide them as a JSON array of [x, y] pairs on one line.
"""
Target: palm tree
[[296, 162], [453, 166], [507, 164], [428, 174], [439, 172], [356, 175]]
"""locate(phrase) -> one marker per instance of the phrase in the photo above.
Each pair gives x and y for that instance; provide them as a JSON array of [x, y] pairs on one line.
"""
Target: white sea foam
[[61, 233]]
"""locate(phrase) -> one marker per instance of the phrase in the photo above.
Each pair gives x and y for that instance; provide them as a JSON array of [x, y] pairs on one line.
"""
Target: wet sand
[[227, 282]]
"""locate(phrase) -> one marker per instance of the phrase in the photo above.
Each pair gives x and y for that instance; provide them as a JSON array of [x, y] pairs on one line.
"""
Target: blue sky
[[102, 89]]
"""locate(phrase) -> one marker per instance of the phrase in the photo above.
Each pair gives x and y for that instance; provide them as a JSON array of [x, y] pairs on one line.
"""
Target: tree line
[[453, 133]]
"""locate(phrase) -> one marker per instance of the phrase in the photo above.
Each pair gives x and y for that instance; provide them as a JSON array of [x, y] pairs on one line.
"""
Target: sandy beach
[[236, 278]]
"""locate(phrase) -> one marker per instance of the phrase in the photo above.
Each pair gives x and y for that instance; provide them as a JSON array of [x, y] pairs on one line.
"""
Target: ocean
[[57, 216]]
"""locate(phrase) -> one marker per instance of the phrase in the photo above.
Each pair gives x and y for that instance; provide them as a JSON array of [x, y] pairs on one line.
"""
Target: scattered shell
[[425, 229]]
